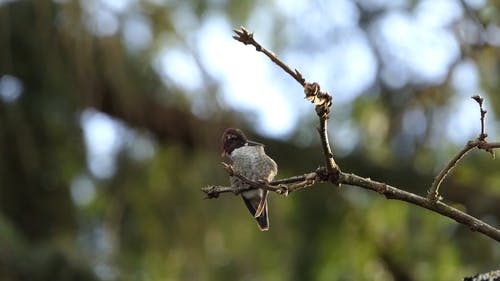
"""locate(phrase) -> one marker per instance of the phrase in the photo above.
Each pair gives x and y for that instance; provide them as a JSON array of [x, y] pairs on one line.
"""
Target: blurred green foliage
[[149, 221]]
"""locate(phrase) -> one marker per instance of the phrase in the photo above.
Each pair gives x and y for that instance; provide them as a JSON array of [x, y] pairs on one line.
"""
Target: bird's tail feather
[[263, 219], [255, 206]]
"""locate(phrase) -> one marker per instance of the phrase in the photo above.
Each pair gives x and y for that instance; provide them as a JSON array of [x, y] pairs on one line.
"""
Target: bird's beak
[[253, 143]]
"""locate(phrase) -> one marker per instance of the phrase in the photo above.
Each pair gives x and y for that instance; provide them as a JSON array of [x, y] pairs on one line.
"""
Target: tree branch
[[391, 192], [331, 173], [480, 143], [433, 192], [281, 187], [312, 91], [246, 37], [480, 101]]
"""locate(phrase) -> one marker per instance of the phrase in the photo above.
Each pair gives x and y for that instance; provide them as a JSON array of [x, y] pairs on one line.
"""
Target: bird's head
[[233, 139]]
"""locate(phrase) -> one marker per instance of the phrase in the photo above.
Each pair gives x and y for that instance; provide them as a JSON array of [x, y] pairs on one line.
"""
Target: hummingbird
[[249, 160]]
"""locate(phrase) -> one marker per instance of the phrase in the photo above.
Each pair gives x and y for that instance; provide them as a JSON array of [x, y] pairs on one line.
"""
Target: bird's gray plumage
[[249, 160], [252, 162]]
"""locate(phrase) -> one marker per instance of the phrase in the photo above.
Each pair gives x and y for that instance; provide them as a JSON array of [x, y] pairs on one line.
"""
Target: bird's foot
[[229, 169], [282, 190]]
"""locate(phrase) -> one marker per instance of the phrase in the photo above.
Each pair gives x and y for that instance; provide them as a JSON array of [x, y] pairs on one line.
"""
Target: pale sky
[[416, 47]]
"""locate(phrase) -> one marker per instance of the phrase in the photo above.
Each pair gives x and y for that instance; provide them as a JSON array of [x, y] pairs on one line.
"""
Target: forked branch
[[331, 172], [480, 143]]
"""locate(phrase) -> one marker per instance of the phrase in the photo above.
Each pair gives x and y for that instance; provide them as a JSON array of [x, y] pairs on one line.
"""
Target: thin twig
[[213, 191], [480, 143], [323, 102], [480, 101], [246, 37], [433, 193], [280, 189], [279, 186], [488, 146], [293, 179], [330, 162]]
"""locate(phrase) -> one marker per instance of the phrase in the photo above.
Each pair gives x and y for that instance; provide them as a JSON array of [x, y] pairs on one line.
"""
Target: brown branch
[[313, 93], [323, 102], [480, 143], [293, 179], [281, 187], [213, 191], [246, 37], [488, 146], [433, 192], [480, 100], [332, 167], [332, 173], [391, 192]]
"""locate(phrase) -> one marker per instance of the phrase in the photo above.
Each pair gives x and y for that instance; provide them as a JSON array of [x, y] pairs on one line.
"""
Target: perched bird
[[249, 160]]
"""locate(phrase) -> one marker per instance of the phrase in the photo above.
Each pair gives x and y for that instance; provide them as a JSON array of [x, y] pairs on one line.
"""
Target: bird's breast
[[253, 163]]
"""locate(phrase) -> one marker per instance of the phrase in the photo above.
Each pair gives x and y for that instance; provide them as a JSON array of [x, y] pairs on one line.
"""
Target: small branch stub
[[480, 101], [323, 101], [246, 37]]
